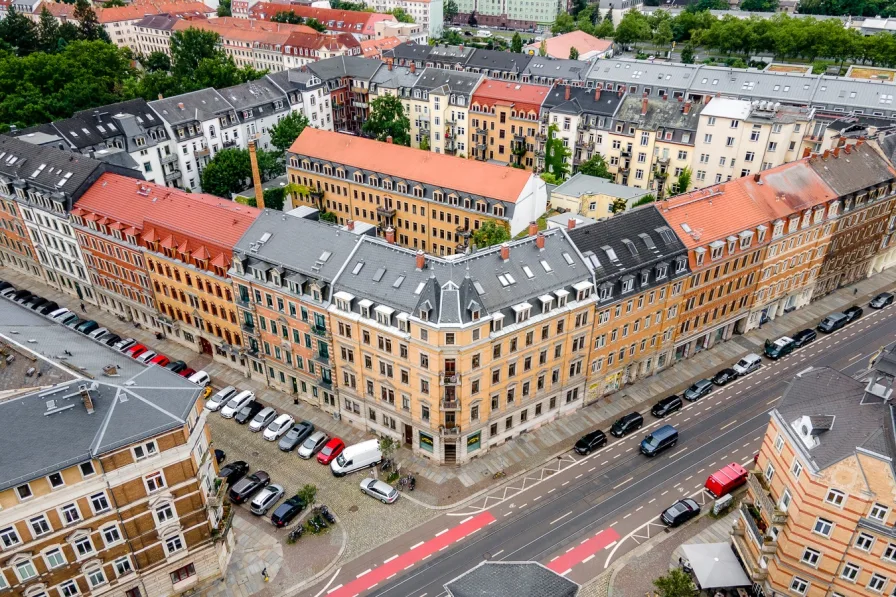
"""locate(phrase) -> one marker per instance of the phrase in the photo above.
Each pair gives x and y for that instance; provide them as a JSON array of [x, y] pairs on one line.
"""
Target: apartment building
[[418, 199], [498, 65], [400, 31], [726, 233], [130, 126], [259, 105], [200, 123], [639, 267], [592, 197], [516, 14], [504, 120], [307, 94], [453, 357], [737, 138], [121, 497], [427, 13], [282, 297], [152, 33], [819, 513], [651, 141], [186, 240], [864, 184], [885, 144], [45, 183], [347, 79], [16, 250], [542, 70], [303, 47], [442, 99], [359, 24]]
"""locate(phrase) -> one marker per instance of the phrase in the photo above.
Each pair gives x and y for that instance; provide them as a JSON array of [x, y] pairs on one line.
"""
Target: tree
[[663, 34], [675, 584], [387, 119], [564, 23], [271, 164], [285, 132], [490, 233], [684, 180], [555, 154], [189, 48], [633, 28], [308, 494], [157, 61], [285, 16], [573, 53], [196, 63], [224, 8], [449, 10], [47, 31], [113, 3], [687, 54], [577, 7], [550, 178], [604, 29], [516, 44], [316, 25], [274, 198], [424, 143], [471, 20], [618, 206], [88, 22], [759, 5], [644, 200], [388, 446], [401, 15], [543, 49], [19, 32], [227, 173], [596, 166]]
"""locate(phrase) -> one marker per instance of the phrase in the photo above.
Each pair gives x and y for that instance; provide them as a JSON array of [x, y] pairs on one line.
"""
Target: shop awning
[[715, 565]]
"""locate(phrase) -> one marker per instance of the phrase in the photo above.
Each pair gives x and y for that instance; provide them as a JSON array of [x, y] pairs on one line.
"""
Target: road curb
[[329, 568]]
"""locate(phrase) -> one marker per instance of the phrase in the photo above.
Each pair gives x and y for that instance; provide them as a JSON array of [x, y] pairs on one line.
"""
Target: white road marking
[[561, 518]]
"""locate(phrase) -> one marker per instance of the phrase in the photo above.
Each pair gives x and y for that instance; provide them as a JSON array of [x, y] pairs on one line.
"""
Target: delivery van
[[356, 457]]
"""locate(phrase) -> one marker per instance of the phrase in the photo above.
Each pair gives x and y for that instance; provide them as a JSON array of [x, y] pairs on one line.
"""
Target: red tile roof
[[437, 169], [373, 48], [789, 189], [247, 30], [349, 21], [132, 12], [559, 46], [315, 41], [522, 96], [197, 218]]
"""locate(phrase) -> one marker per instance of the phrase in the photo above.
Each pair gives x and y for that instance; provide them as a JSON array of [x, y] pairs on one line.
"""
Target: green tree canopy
[[88, 22], [449, 10], [684, 180], [516, 44], [759, 5], [227, 173], [289, 16], [387, 118], [157, 61], [618, 205], [274, 198], [401, 15], [19, 33], [490, 233], [543, 48], [633, 27], [564, 23], [573, 53], [675, 584], [316, 25], [556, 154], [47, 31], [596, 166], [285, 132], [224, 8]]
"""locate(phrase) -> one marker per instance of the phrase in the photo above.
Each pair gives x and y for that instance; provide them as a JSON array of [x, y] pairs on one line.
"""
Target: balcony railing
[[451, 404], [249, 328], [449, 431], [757, 488], [167, 159], [319, 330], [201, 153], [449, 379], [386, 211], [750, 524]]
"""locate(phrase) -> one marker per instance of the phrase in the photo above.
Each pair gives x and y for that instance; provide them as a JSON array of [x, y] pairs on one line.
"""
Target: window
[[96, 578], [798, 585], [877, 583], [87, 469], [785, 500], [25, 570], [83, 547], [54, 558], [9, 537], [55, 480], [145, 450], [70, 514], [173, 544], [769, 472], [111, 535], [796, 468], [879, 512], [182, 573], [850, 572], [154, 482], [123, 566], [68, 589], [811, 557], [864, 541], [823, 527], [164, 513], [835, 497], [24, 491], [779, 444], [99, 503], [39, 525]]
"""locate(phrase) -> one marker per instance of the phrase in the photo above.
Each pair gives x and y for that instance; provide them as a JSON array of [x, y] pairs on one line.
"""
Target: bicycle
[[499, 475]]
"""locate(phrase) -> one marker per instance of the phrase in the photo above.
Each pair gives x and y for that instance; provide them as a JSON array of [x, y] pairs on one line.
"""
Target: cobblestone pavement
[[366, 522]]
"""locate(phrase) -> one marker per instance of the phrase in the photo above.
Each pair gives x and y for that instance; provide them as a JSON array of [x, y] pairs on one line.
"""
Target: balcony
[[322, 358], [319, 330], [449, 431], [758, 490], [464, 232], [386, 211], [201, 153], [231, 143], [249, 328], [626, 153], [244, 303], [749, 517], [450, 405], [168, 159], [172, 175], [217, 498], [451, 379], [663, 160], [754, 569]]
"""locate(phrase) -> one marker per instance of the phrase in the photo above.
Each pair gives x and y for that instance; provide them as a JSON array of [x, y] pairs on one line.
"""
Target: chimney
[[421, 260], [505, 251], [161, 96], [461, 47], [256, 176], [390, 235], [533, 228], [836, 152], [597, 92], [539, 241], [389, 64], [644, 102], [806, 152], [841, 142], [756, 177], [848, 149], [860, 141], [350, 225], [413, 67], [570, 223], [687, 107], [665, 97], [389, 139], [680, 99], [566, 94], [84, 390], [621, 90], [826, 153], [180, 105]]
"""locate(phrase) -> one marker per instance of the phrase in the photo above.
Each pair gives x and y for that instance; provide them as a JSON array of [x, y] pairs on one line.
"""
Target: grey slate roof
[[294, 79], [450, 285], [163, 22], [409, 51], [662, 115], [356, 67], [447, 81], [511, 579], [640, 240], [259, 95], [201, 105], [449, 55], [495, 61], [582, 184], [546, 70], [857, 422], [581, 101], [851, 172], [399, 77], [643, 73]]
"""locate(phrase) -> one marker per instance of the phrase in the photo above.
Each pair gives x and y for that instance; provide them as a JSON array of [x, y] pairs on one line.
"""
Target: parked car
[[590, 442], [626, 424], [296, 436], [803, 337], [356, 457], [236, 403], [200, 378], [85, 327], [724, 376], [4, 285], [287, 511], [134, 348], [882, 300], [680, 512], [98, 333], [124, 344], [135, 354], [160, 360], [248, 412], [266, 498], [248, 486], [48, 307], [662, 439], [853, 313], [264, 418], [234, 471], [8, 291], [379, 490], [697, 391], [220, 456], [313, 445], [176, 366], [832, 323], [220, 398], [36, 302], [58, 314], [726, 480], [147, 356], [278, 427], [72, 321], [781, 347], [666, 406], [187, 372], [748, 364], [111, 340], [20, 296], [330, 451]]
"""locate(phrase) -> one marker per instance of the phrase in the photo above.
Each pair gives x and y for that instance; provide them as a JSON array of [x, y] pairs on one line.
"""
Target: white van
[[234, 405], [484, 33], [356, 457], [748, 364]]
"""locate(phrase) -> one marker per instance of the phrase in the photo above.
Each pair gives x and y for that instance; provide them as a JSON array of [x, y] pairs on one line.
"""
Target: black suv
[[286, 511], [803, 337], [248, 486], [698, 390], [724, 376], [853, 313], [627, 424], [248, 412], [881, 300], [590, 442], [234, 471], [666, 406]]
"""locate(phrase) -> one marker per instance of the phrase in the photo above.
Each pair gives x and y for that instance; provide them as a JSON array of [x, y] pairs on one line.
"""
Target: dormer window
[[547, 303], [497, 322], [699, 255], [384, 315], [359, 177], [778, 228], [662, 271], [834, 209], [680, 265], [645, 277], [365, 306], [746, 238], [732, 244], [562, 296], [628, 283], [817, 215], [794, 223], [716, 249], [807, 219], [761, 229], [522, 312], [425, 308], [606, 291], [403, 324], [583, 290]]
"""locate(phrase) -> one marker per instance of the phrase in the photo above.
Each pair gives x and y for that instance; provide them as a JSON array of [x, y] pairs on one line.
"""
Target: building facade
[[504, 121]]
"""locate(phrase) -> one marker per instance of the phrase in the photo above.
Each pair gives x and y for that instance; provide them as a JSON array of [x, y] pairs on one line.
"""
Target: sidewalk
[[442, 486]]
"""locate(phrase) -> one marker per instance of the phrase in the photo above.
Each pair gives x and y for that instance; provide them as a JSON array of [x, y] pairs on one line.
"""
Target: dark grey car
[[698, 390], [295, 436]]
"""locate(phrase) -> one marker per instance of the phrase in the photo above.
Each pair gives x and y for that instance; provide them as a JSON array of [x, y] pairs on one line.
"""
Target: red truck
[[726, 480]]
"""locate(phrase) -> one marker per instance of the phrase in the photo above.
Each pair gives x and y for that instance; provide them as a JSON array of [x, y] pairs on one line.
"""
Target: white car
[[234, 405], [98, 333], [220, 398], [264, 418], [147, 356], [200, 378], [8, 292], [278, 427]]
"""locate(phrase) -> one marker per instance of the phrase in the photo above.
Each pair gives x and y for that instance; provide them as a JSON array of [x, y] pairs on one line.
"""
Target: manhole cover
[[254, 453], [353, 509]]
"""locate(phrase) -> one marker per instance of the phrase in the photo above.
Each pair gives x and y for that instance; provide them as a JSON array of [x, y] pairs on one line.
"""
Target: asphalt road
[[580, 515]]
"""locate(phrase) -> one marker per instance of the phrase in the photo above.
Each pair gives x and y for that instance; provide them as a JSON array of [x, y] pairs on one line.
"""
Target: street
[[582, 513]]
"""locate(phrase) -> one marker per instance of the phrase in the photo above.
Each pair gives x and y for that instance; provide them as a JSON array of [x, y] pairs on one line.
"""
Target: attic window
[[357, 268], [631, 246], [506, 279], [522, 311], [568, 258], [547, 266], [528, 272]]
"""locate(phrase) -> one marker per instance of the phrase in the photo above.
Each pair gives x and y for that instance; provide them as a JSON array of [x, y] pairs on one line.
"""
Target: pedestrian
[[855, 291], [83, 307], [264, 574]]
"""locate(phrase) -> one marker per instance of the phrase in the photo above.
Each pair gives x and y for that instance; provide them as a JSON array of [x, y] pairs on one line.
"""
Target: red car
[[187, 372], [138, 352], [333, 449], [160, 360], [133, 349]]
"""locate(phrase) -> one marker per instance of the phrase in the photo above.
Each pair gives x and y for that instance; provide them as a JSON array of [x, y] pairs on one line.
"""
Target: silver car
[[313, 444], [220, 398], [266, 498], [379, 490], [263, 419]]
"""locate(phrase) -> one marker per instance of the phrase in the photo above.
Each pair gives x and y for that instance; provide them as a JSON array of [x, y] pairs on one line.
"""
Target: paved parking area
[[366, 522]]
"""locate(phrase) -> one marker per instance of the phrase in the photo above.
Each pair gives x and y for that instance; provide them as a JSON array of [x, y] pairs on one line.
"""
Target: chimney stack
[[421, 260], [756, 177], [84, 390], [807, 152], [539, 241], [505, 251], [687, 107], [621, 90], [389, 139], [570, 223], [566, 94], [256, 176], [389, 64], [847, 149], [826, 154], [161, 96], [597, 92], [413, 67], [390, 235], [350, 225], [860, 142], [644, 103], [665, 97], [533, 228], [836, 152]]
